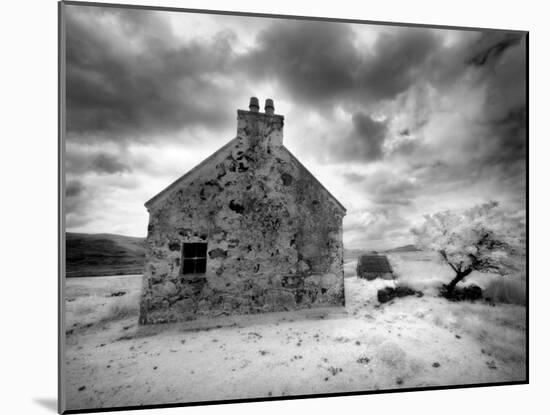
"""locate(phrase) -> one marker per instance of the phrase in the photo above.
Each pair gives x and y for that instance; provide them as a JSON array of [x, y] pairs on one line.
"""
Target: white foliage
[[484, 238]]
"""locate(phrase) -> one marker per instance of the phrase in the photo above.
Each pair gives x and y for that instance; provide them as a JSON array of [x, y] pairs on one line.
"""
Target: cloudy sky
[[396, 122]]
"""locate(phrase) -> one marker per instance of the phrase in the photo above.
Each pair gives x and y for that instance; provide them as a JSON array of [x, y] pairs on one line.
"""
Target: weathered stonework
[[274, 233]]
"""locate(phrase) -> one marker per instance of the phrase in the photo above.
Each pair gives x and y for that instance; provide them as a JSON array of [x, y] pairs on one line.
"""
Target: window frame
[[193, 258]]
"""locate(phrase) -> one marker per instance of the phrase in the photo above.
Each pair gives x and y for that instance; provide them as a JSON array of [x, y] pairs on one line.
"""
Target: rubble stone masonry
[[273, 233]]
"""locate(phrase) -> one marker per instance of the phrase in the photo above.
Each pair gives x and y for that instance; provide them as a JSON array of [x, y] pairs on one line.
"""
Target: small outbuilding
[[372, 266]]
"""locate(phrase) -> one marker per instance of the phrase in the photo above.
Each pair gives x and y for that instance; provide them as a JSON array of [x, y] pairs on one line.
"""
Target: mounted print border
[[259, 207]]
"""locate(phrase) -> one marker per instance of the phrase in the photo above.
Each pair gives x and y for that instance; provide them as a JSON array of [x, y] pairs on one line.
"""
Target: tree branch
[[444, 255]]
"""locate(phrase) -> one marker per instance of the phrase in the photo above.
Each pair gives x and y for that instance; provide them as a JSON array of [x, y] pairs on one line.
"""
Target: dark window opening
[[193, 258]]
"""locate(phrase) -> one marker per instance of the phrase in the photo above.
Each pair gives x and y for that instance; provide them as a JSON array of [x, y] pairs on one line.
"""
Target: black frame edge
[[294, 397], [61, 84]]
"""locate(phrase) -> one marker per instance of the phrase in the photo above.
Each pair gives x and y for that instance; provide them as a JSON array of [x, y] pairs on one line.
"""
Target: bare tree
[[483, 238]]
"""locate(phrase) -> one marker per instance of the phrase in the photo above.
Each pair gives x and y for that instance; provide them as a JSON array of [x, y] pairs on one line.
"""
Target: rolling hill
[[356, 253], [406, 248], [103, 254]]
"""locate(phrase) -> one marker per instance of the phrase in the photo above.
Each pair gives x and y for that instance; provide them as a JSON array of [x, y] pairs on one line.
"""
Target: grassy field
[[103, 254], [408, 342]]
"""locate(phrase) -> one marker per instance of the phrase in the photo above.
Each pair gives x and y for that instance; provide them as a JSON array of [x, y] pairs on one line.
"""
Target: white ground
[[409, 342]]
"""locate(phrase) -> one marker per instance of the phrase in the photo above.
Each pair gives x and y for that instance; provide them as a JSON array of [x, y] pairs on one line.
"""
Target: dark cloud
[[319, 62], [505, 115], [433, 113], [82, 159], [510, 138], [491, 45], [493, 142], [108, 164], [76, 197], [73, 188], [365, 141], [495, 135], [397, 62], [322, 65], [128, 76], [314, 61]]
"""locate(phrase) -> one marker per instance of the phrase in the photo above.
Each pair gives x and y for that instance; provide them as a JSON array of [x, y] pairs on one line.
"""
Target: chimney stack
[[254, 104], [269, 108], [258, 129]]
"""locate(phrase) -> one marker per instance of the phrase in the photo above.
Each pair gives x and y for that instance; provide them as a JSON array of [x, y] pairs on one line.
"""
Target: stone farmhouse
[[248, 230]]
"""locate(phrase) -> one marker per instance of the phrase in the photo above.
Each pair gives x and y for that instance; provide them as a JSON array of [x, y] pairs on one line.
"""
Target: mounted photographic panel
[[259, 206]]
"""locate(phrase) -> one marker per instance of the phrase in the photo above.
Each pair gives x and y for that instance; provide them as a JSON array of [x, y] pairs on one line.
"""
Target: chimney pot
[[269, 108], [254, 104]]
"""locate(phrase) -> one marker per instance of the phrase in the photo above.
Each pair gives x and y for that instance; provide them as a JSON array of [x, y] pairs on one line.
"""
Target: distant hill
[[406, 248], [353, 253], [356, 253], [103, 254]]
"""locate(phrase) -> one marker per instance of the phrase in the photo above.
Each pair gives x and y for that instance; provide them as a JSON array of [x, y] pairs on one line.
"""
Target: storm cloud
[[365, 141], [321, 62], [129, 77], [108, 164], [395, 121], [73, 188], [314, 61], [398, 60], [491, 46]]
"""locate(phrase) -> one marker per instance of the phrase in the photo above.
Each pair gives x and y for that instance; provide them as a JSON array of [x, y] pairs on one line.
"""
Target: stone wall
[[274, 234]]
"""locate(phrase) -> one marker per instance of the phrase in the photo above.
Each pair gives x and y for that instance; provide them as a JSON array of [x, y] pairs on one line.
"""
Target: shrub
[[388, 293], [469, 293]]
